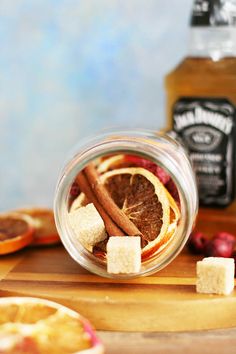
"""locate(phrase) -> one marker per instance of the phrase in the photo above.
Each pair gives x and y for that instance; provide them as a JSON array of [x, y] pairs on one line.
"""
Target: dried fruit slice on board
[[45, 228], [16, 232], [32, 325]]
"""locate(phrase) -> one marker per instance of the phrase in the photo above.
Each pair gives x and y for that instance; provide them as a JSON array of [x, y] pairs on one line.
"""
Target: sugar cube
[[124, 254], [87, 225], [215, 275]]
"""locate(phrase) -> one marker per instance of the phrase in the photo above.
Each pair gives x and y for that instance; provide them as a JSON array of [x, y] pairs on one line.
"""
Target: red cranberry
[[197, 242], [226, 236], [162, 175], [74, 191], [218, 248]]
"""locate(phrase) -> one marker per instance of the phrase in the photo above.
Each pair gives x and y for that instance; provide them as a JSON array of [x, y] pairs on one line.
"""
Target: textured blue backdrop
[[71, 67]]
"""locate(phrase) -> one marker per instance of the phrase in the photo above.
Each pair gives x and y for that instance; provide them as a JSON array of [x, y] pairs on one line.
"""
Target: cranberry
[[162, 175], [218, 248], [74, 191], [226, 236], [197, 242], [134, 159]]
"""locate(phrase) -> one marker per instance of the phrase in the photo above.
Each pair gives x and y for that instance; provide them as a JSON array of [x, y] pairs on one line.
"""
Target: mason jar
[[143, 156]]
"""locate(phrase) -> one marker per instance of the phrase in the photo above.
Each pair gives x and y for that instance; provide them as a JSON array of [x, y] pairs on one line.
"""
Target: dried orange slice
[[45, 228], [124, 161], [111, 163], [16, 232], [166, 239], [33, 326], [143, 199]]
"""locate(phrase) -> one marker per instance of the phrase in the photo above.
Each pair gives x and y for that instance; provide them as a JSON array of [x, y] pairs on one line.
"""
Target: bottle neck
[[212, 42]]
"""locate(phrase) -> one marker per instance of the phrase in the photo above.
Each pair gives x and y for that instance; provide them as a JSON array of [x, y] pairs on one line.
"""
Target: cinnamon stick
[[111, 228], [101, 193]]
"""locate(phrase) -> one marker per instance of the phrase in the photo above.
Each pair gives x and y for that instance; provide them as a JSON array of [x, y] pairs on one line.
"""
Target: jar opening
[[126, 191]]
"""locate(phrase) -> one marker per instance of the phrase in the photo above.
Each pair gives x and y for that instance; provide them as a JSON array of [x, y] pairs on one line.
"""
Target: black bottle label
[[206, 126], [213, 13]]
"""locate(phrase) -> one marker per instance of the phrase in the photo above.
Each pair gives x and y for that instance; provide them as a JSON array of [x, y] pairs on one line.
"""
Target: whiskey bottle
[[201, 100]]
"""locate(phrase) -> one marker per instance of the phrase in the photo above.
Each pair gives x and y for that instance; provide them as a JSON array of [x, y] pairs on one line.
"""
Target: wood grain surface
[[165, 301], [198, 342]]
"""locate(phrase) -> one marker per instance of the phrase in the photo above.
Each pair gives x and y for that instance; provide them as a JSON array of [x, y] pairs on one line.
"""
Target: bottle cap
[[213, 13]]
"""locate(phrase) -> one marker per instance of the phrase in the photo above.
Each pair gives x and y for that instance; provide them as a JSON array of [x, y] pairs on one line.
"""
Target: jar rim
[[155, 147]]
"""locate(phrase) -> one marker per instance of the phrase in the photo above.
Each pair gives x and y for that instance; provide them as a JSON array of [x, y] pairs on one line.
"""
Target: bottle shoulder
[[194, 66], [203, 70]]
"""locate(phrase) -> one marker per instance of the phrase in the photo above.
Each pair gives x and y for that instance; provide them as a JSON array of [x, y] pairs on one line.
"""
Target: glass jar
[[159, 150]]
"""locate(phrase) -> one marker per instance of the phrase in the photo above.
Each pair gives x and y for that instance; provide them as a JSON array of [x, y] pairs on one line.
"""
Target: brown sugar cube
[[87, 225], [124, 254], [215, 275]]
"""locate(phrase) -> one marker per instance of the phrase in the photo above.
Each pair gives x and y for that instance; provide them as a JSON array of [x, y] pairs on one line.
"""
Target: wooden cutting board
[[165, 301]]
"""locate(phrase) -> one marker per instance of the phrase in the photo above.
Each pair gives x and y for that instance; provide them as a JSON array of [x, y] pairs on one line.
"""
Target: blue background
[[69, 68]]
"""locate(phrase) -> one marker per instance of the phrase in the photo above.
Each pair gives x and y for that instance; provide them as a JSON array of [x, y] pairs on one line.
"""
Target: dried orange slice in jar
[[144, 199], [113, 162], [32, 325], [122, 161], [16, 232], [45, 228], [173, 223]]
